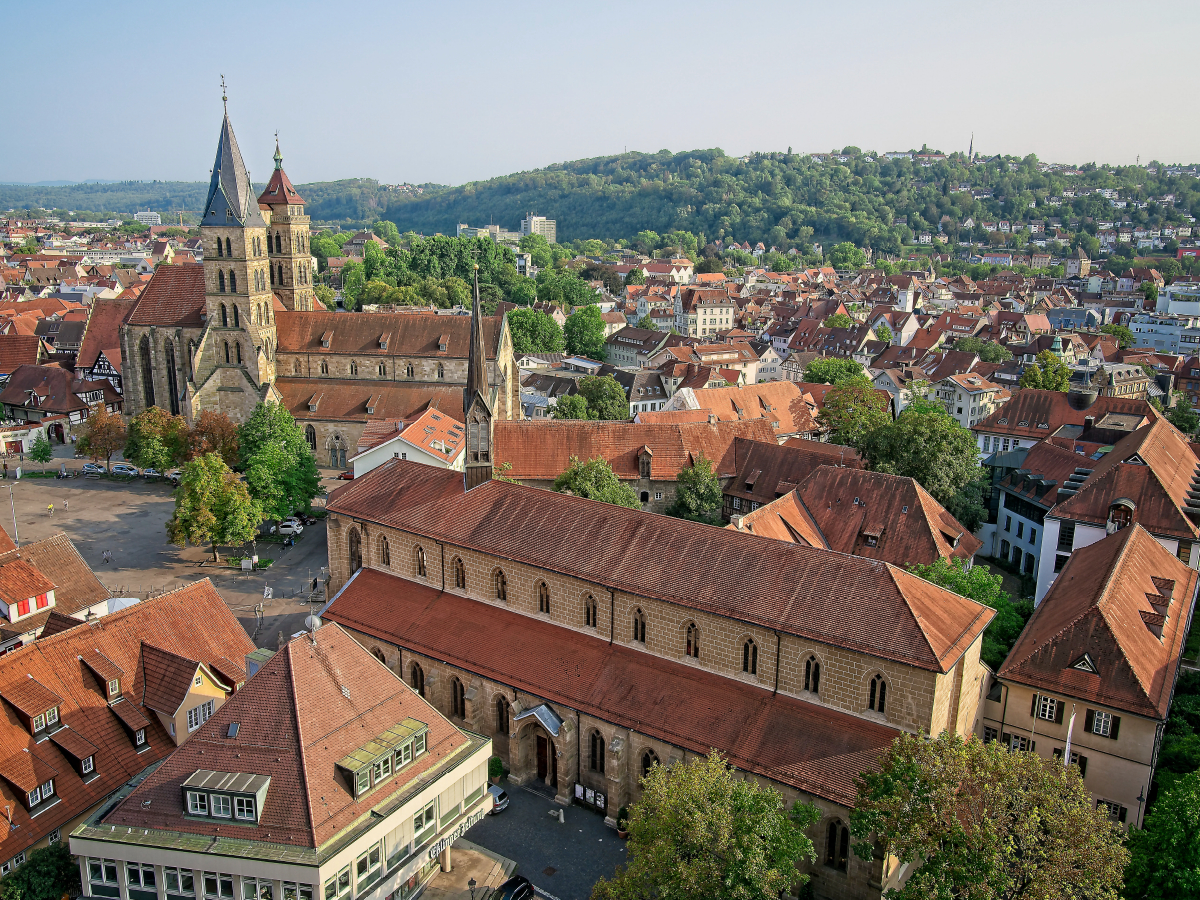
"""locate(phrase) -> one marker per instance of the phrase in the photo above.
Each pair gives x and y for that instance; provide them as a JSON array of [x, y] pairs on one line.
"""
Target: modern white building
[[433, 438], [547, 228], [1173, 334], [1179, 300], [148, 218]]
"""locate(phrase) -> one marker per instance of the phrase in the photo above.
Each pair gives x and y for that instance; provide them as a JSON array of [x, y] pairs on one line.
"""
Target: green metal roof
[[384, 743]]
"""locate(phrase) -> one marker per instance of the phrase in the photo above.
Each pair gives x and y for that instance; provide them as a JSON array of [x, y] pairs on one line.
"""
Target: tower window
[[221, 283], [278, 243], [224, 311], [228, 248], [220, 249], [281, 274], [236, 319], [233, 288], [237, 346], [227, 351], [272, 268]]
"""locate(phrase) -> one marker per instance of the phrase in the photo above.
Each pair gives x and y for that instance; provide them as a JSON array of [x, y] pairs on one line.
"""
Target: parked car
[[151, 473], [346, 476], [516, 888], [93, 469], [174, 476], [125, 469], [499, 799], [286, 527], [306, 519]]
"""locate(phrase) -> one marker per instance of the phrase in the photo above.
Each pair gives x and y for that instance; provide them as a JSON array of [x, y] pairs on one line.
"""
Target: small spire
[[278, 155], [224, 97]]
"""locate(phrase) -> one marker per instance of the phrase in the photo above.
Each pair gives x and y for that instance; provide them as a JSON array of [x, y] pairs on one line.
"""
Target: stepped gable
[[1103, 603], [859, 604]]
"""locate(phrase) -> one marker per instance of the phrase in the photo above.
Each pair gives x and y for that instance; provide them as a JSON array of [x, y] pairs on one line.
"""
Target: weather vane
[[224, 98]]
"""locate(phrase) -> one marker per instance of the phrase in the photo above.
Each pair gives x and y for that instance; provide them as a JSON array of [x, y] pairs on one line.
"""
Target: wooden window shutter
[[1058, 712], [1116, 726], [1088, 718]]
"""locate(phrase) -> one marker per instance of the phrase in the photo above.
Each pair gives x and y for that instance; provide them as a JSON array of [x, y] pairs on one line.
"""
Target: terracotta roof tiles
[[407, 334], [174, 296]]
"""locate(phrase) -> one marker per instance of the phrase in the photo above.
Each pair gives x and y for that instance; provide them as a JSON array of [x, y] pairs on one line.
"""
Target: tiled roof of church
[[859, 604], [407, 334], [811, 747], [174, 296], [350, 400]]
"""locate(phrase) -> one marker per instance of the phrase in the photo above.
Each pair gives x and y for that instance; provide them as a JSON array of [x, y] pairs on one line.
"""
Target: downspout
[[1003, 710], [777, 643], [612, 610]]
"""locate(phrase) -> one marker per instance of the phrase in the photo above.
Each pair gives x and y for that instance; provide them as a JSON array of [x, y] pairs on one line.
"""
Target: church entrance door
[[542, 753]]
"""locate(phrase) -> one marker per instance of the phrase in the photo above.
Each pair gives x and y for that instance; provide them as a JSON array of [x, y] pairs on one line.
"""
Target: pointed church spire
[[477, 411], [278, 155], [477, 381], [230, 196]]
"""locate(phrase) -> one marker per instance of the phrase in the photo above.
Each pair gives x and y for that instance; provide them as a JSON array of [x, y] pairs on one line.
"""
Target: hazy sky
[[452, 92]]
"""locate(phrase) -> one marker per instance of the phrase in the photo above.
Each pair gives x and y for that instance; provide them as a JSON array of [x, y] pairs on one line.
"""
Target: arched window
[[812, 675], [237, 346], [172, 377], [639, 626], [233, 290], [224, 315], [460, 574], [501, 715], [271, 269], [220, 249], [227, 351], [458, 699], [383, 370], [408, 371], [878, 696], [296, 371], [501, 586], [441, 372], [310, 436], [353, 367], [418, 678], [147, 370], [649, 761], [237, 322], [281, 274], [596, 761], [750, 657], [221, 284], [837, 845], [278, 243], [355, 550], [543, 594], [228, 248], [378, 654], [420, 557], [589, 611], [693, 641], [385, 555], [324, 367]]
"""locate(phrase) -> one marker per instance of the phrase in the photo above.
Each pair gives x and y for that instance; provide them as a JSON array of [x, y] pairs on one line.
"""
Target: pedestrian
[[6, 470], [66, 505], [50, 509]]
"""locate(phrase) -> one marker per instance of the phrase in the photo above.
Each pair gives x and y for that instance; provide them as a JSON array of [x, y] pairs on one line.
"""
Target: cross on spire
[[224, 98]]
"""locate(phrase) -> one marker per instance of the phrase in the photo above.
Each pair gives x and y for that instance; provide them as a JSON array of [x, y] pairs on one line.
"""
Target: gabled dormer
[[108, 674], [24, 591], [35, 704]]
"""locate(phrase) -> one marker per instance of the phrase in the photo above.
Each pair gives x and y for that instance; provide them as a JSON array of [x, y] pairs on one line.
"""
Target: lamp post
[[1140, 799]]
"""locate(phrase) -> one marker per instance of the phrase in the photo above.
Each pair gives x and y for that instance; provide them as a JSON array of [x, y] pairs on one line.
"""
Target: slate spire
[[230, 195], [477, 379]]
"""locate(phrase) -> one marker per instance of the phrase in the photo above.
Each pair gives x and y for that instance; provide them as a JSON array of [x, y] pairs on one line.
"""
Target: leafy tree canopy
[[104, 434], [214, 432], [605, 397], [648, 323], [572, 406], [832, 370], [1165, 855], [48, 874], [883, 333], [701, 830], [155, 439], [595, 480], [852, 410], [987, 351], [326, 295], [281, 472], [980, 822], [1183, 416], [534, 331], [846, 256], [839, 320], [698, 493], [1123, 335], [538, 249], [213, 506], [636, 275], [1048, 373], [41, 451], [584, 332]]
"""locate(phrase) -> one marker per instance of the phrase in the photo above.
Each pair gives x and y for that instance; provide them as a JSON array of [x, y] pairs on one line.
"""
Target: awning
[[544, 714]]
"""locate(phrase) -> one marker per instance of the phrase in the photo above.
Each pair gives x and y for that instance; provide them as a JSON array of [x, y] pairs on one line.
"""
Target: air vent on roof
[[233, 729]]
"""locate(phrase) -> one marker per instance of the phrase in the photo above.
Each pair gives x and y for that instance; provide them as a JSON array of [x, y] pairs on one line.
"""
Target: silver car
[[499, 799]]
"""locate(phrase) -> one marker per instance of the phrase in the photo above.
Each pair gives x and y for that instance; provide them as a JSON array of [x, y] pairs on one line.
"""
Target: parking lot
[[129, 521]]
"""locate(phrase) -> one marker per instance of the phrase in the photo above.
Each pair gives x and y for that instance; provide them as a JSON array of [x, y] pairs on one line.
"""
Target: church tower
[[239, 339], [476, 405], [287, 239]]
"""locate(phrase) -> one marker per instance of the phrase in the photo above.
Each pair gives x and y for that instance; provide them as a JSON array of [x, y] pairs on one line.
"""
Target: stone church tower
[[477, 407], [287, 239]]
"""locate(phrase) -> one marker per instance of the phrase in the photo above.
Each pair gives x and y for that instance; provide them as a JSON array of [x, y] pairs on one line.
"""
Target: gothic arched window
[[812, 675], [458, 699], [596, 760], [837, 845], [281, 274], [237, 346], [221, 283], [639, 626], [441, 372], [228, 248], [233, 290], [589, 611], [417, 674], [692, 647], [408, 371], [324, 367], [296, 371], [385, 556], [147, 370], [220, 249], [353, 367], [383, 370], [278, 243], [460, 574], [237, 321], [750, 657], [310, 436], [227, 351], [420, 561], [224, 315], [355, 550], [478, 449], [501, 715], [649, 761], [501, 586], [877, 699], [272, 271], [543, 595], [172, 377]]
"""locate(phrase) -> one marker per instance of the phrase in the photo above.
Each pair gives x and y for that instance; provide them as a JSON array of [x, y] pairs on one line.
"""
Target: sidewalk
[[490, 870]]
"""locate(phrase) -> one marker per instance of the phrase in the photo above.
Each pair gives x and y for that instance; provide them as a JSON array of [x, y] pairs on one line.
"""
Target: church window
[[233, 288], [353, 367], [385, 555], [355, 550], [237, 321], [278, 243], [460, 574], [693, 641], [649, 761], [441, 372], [281, 274], [228, 248], [272, 268], [877, 700], [220, 250], [543, 592], [750, 657], [147, 370], [812, 675], [501, 586], [420, 555], [310, 433], [639, 626], [383, 370], [597, 752], [221, 283], [644, 465], [501, 715], [224, 310], [324, 367], [295, 367], [589, 611], [837, 845], [458, 699], [237, 347], [227, 351], [417, 675]]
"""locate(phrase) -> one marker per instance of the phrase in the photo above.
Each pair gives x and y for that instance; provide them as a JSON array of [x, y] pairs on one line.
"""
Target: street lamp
[[1140, 799]]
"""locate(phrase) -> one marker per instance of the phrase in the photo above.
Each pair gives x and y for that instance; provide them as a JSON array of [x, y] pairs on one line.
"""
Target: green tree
[[846, 256], [1150, 291], [1183, 416], [538, 249], [852, 410], [710, 265], [213, 506], [636, 275], [41, 451], [883, 333], [564, 288], [1048, 373], [978, 583], [104, 435], [839, 320], [534, 331], [48, 874], [701, 830], [832, 370], [155, 439], [1165, 855], [326, 295], [927, 444], [605, 397], [1123, 335], [648, 323], [281, 472], [572, 406], [595, 480], [698, 493], [354, 281], [585, 332], [977, 821], [387, 231]]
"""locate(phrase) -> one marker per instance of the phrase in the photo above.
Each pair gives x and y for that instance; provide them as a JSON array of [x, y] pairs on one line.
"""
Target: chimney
[[1089, 421], [736, 521], [712, 418]]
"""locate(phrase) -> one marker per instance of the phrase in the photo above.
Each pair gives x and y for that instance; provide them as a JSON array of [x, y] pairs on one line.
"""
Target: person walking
[[66, 505], [50, 510]]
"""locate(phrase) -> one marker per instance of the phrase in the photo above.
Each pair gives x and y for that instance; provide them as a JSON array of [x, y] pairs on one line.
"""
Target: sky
[[456, 92]]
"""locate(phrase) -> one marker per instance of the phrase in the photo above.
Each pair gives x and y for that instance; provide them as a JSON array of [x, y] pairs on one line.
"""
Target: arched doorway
[[538, 764]]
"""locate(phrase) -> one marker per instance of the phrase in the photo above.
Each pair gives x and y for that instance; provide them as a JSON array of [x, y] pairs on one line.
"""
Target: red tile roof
[[21, 581], [813, 593], [103, 330], [1054, 409], [407, 334], [1098, 605], [166, 679], [174, 296], [766, 471], [18, 350], [347, 400], [75, 585], [312, 704], [279, 191], [802, 744], [779, 402]]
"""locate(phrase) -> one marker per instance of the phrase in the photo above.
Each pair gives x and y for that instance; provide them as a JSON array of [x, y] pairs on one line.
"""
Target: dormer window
[[197, 803], [41, 794], [114, 687]]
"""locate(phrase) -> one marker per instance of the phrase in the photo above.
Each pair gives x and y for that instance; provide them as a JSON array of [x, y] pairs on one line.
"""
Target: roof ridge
[[296, 719], [1102, 604]]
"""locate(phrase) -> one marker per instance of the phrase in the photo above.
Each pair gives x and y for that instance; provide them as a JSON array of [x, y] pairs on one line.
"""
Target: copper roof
[[813, 593], [1097, 606], [793, 742]]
